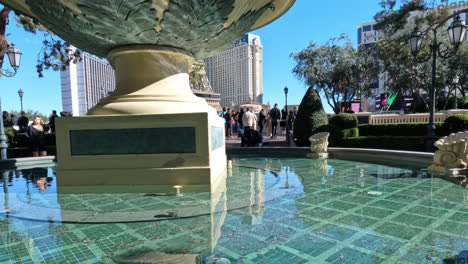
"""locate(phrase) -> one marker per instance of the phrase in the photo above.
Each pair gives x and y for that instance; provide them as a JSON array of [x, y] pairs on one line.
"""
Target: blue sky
[[308, 20]]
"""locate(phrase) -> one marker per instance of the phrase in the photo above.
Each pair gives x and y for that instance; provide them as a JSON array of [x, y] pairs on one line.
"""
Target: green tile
[[310, 245], [358, 199], [356, 221], [424, 255], [389, 205], [320, 213], [335, 232], [340, 205], [351, 256], [455, 228], [377, 244], [278, 256], [399, 231], [413, 220], [460, 216], [428, 211], [374, 212], [451, 243]]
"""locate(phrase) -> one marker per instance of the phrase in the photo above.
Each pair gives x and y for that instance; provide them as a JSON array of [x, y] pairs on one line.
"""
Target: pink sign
[[355, 107]]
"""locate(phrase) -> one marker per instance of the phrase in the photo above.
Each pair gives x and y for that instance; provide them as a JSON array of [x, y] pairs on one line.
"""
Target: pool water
[[270, 210]]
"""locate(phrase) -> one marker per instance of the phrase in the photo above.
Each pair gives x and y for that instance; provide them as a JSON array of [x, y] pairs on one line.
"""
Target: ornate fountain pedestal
[[152, 131]]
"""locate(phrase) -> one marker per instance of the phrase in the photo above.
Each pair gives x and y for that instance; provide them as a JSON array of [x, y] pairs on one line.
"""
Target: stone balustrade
[[371, 118]]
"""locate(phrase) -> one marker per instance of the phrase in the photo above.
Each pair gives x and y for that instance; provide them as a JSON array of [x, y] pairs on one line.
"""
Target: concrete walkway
[[279, 141]]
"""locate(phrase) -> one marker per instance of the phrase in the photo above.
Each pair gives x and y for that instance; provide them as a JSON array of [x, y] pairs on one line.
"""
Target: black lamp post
[[288, 133], [456, 79], [456, 32], [14, 56], [21, 94]]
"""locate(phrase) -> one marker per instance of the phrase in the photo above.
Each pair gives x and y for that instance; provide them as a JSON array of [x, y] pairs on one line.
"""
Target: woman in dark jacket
[[36, 134]]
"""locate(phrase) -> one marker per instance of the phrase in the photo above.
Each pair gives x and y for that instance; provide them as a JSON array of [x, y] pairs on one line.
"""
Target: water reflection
[[250, 218]]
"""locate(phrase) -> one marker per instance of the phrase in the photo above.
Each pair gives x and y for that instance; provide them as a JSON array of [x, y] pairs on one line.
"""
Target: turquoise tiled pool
[[271, 210]]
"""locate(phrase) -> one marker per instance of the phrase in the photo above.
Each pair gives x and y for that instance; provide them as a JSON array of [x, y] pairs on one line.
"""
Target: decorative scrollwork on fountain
[[452, 153]]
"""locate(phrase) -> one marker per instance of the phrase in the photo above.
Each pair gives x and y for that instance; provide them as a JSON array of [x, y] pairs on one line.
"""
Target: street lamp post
[[14, 56], [288, 133], [456, 32], [456, 79], [21, 94]]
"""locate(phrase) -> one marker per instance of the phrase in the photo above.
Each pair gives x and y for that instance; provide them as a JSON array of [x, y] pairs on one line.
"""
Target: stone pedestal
[[120, 150]]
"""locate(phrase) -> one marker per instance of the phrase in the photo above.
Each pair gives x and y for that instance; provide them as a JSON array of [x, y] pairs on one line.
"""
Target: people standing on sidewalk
[[227, 122], [261, 121], [6, 120], [275, 116], [52, 117], [240, 124], [284, 117], [36, 135], [249, 120], [22, 122]]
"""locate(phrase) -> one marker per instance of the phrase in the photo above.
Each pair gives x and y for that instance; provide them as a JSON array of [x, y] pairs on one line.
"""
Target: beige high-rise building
[[237, 73]]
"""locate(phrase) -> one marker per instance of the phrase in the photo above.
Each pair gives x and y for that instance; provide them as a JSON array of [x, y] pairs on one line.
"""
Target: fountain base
[[158, 149]]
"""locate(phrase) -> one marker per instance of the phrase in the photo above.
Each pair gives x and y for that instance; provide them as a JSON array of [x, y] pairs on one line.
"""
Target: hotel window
[[367, 28]]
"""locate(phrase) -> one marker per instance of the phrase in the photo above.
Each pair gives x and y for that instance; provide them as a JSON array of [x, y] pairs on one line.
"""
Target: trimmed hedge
[[348, 133], [456, 123], [399, 129], [343, 121], [384, 142]]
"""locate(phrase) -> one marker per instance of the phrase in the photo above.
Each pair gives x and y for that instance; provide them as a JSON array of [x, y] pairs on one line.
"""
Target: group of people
[[34, 131], [243, 121]]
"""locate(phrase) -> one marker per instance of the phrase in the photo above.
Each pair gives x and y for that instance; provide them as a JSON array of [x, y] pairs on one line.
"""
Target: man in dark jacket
[[275, 115], [23, 122], [240, 124]]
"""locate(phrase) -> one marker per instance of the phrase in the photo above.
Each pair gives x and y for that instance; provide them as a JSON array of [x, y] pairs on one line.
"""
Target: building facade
[[84, 83], [237, 73]]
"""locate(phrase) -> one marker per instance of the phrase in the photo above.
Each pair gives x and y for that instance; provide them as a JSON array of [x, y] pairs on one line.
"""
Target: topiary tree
[[311, 118]]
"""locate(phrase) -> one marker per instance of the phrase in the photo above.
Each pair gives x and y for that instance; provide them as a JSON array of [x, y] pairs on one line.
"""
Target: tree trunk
[[3, 42]]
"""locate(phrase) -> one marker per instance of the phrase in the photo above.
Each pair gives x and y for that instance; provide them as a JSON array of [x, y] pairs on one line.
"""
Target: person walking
[[22, 122], [261, 121], [275, 115], [52, 120], [37, 139]]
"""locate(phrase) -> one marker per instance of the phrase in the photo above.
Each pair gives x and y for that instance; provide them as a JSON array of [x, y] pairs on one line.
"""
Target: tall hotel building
[[85, 83], [237, 73]]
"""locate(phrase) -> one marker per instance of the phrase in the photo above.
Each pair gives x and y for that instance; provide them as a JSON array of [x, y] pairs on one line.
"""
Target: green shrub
[[343, 121], [456, 123], [462, 102], [383, 142], [310, 118], [10, 135], [348, 133], [399, 129]]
